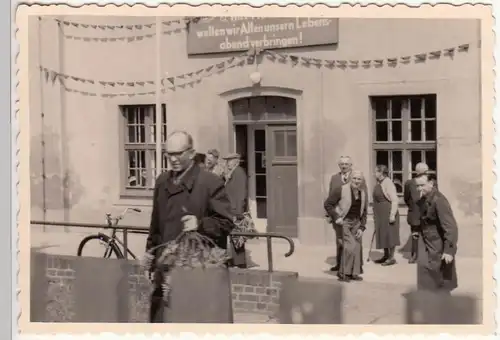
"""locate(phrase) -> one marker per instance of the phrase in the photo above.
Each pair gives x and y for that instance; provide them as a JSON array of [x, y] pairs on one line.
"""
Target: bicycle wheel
[[99, 246]]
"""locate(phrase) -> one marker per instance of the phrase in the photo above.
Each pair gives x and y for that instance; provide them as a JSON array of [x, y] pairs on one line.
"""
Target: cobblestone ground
[[376, 300]]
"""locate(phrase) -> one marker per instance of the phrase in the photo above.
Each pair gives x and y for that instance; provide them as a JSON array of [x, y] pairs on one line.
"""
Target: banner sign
[[230, 34]]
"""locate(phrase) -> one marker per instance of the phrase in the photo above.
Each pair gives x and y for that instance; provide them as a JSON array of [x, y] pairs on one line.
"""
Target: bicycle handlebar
[[109, 218]]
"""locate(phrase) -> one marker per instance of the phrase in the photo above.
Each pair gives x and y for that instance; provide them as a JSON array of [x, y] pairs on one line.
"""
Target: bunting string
[[168, 83], [130, 38], [130, 27], [194, 77], [348, 63]]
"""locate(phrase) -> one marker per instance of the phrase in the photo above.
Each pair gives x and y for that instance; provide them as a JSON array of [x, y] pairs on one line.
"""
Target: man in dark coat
[[436, 268], [186, 198], [411, 197], [237, 191], [336, 181]]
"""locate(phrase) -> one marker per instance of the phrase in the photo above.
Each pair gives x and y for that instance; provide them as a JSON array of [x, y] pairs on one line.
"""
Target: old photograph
[[256, 169]]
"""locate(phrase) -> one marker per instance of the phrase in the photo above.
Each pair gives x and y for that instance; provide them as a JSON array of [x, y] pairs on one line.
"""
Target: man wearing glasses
[[337, 181], [186, 198]]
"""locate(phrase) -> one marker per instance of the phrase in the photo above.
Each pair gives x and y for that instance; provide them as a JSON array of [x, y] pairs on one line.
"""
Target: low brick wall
[[82, 289]]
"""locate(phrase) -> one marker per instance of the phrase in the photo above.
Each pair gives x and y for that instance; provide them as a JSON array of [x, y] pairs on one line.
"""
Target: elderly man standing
[[436, 269], [336, 181], [237, 191], [213, 164], [186, 198], [347, 207], [412, 197]]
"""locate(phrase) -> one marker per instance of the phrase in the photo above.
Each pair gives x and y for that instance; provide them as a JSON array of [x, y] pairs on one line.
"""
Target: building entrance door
[[266, 140]]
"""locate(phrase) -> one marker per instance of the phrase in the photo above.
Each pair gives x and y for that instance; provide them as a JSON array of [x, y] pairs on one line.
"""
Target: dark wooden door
[[282, 198]]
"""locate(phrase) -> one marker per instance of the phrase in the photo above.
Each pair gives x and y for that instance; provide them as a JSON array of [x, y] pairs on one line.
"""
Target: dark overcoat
[[439, 234], [201, 194], [411, 197], [237, 190]]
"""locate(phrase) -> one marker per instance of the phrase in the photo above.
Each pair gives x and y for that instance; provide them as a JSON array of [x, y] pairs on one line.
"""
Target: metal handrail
[[141, 230]]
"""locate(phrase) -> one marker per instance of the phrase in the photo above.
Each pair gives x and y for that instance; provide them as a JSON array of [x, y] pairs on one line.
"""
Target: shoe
[[335, 269], [381, 260], [412, 259], [343, 278], [356, 278], [389, 262]]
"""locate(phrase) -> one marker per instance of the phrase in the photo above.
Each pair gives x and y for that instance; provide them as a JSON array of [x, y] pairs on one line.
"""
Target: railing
[[138, 230]]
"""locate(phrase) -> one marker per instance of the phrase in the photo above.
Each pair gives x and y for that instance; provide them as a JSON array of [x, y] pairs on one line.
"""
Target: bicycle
[[111, 243]]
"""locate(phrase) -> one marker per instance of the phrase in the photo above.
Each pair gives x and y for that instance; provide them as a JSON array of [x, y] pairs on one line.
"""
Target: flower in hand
[[392, 219], [447, 258], [190, 222], [339, 220]]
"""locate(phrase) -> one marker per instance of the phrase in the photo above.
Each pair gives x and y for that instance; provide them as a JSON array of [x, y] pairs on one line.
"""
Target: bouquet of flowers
[[244, 225], [189, 250]]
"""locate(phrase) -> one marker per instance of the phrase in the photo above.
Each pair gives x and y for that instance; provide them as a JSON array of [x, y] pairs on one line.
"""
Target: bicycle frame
[[113, 223]]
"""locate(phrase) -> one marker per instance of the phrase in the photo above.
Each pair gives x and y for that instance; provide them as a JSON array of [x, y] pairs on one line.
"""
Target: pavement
[[378, 299]]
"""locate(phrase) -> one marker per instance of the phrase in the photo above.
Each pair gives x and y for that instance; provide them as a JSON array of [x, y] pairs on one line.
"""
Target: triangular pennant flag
[[306, 60], [130, 27], [463, 48], [91, 81], [86, 39], [199, 71], [405, 60], [171, 80], [294, 59], [149, 35], [84, 93], [130, 83], [110, 27], [70, 37], [189, 75], [392, 60], [182, 76], [152, 82], [103, 27], [329, 63], [354, 63], [182, 86], [85, 26], [130, 39], [209, 68], [65, 76], [342, 63], [104, 39], [220, 65], [103, 83], [435, 54], [93, 26], [317, 61], [449, 51], [112, 39], [92, 94], [139, 27], [96, 39], [141, 83], [230, 60], [378, 62], [77, 38], [66, 23], [366, 63], [421, 56], [121, 38], [120, 26], [121, 83], [139, 38], [149, 25], [74, 24], [271, 56], [46, 74]]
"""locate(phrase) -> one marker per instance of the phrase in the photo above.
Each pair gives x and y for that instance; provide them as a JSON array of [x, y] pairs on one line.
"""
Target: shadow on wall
[[469, 198], [62, 191]]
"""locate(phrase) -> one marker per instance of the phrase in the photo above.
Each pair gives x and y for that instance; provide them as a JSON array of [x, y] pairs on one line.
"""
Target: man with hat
[[237, 191]]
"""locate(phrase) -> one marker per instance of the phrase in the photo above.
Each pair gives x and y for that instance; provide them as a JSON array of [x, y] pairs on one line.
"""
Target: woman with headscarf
[[386, 215]]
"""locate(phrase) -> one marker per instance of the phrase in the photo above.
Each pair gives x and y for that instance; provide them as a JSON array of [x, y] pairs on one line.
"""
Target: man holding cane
[[347, 207]]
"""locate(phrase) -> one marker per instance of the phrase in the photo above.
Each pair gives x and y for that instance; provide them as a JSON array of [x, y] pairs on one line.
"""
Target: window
[[140, 148], [404, 134]]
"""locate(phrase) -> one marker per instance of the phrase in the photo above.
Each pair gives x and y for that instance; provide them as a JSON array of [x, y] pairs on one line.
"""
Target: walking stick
[[371, 246]]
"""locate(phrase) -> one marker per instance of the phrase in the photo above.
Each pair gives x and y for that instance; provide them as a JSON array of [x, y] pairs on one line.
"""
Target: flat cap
[[233, 156]]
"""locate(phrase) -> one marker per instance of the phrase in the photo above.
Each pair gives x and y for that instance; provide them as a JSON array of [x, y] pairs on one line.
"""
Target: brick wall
[[63, 290]]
